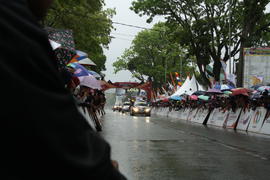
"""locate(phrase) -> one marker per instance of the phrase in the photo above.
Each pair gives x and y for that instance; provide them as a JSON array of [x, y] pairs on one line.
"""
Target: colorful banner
[[185, 114], [217, 118], [231, 121], [244, 120], [266, 125], [256, 66], [257, 120], [192, 114], [200, 116]]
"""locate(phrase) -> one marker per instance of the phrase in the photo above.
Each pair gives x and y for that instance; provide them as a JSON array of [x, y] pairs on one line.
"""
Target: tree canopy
[[154, 54], [91, 25], [211, 28]]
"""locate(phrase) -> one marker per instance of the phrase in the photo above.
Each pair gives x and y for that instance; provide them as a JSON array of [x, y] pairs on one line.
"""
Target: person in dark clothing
[[43, 136]]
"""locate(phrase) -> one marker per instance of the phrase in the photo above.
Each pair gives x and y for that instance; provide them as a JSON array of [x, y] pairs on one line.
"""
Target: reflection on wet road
[[155, 147]]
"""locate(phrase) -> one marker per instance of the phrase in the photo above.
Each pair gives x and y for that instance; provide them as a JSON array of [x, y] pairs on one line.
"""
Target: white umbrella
[[86, 61], [90, 81]]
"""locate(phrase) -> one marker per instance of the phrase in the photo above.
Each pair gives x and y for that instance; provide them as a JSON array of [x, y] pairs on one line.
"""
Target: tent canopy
[[189, 87]]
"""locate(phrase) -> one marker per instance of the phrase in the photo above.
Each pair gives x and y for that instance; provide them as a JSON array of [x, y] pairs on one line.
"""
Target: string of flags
[[179, 82]]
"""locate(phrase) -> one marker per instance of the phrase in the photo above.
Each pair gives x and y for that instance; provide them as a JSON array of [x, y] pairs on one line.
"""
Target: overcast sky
[[123, 36]]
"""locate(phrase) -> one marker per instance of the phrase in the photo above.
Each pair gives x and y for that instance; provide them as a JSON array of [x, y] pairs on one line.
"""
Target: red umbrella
[[165, 100], [240, 91], [194, 97]]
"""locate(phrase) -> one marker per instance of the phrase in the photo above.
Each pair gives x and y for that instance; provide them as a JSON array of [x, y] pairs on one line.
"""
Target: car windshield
[[140, 104]]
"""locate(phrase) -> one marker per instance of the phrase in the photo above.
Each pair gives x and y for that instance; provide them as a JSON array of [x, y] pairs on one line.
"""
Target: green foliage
[[154, 52], [205, 25], [90, 23]]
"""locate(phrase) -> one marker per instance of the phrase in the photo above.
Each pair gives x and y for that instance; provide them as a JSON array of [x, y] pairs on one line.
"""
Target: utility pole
[[165, 75], [181, 68], [230, 36]]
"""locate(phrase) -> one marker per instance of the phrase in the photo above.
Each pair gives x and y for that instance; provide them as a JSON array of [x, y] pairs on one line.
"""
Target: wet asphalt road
[[160, 148]]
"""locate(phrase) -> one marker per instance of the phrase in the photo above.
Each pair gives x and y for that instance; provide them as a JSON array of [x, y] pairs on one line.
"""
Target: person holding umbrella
[[43, 136]]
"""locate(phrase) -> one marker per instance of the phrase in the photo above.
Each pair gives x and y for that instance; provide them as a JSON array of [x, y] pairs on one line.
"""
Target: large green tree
[[205, 25], [155, 55], [90, 23]]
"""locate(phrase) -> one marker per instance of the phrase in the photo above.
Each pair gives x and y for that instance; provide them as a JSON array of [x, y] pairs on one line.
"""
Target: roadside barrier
[[90, 118], [86, 115], [192, 114], [201, 116], [217, 117], [244, 120], [256, 121], [266, 125], [232, 119]]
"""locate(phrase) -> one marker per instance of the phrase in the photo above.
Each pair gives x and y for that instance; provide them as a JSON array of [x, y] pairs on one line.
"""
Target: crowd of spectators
[[93, 100], [222, 101]]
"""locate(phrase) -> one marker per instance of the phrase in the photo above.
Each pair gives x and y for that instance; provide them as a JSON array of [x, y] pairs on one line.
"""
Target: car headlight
[[136, 109], [147, 110]]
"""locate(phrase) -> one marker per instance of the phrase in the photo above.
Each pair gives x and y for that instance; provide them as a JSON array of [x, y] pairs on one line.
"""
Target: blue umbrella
[[255, 87], [263, 88], [217, 86], [176, 98], [226, 87]]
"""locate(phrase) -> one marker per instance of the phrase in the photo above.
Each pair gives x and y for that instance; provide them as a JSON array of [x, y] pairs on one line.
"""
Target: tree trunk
[[203, 75], [216, 69], [240, 69]]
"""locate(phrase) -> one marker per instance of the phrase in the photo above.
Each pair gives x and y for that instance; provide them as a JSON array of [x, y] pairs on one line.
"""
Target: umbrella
[[79, 56], [95, 74], [227, 92], [86, 61], [256, 95], [255, 87], [225, 87], [67, 50], [205, 98], [165, 100], [194, 97], [176, 98], [80, 70], [90, 81], [240, 91], [81, 53], [214, 91], [63, 37], [263, 88], [198, 93], [217, 86]]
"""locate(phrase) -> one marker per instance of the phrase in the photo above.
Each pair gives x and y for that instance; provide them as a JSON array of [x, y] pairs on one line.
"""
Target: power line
[[130, 25]]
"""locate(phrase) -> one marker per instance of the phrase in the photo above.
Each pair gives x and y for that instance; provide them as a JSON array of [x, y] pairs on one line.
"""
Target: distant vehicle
[[126, 107], [140, 108], [117, 107]]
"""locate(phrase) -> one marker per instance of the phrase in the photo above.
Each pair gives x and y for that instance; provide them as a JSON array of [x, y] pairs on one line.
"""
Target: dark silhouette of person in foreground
[[43, 136]]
